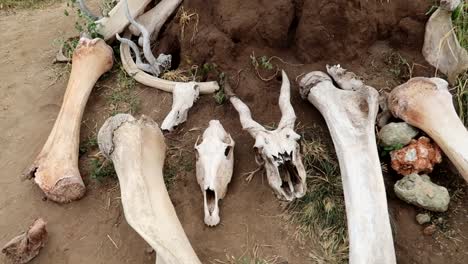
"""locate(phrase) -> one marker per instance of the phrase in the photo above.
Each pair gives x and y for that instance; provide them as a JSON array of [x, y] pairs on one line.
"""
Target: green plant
[[399, 66], [88, 144], [25, 4], [107, 5], [321, 212], [102, 169], [84, 24], [384, 151], [122, 98], [262, 62], [220, 96]]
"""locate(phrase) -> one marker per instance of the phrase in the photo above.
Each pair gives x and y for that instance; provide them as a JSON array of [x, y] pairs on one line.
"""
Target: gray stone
[[423, 218], [396, 133], [420, 191]]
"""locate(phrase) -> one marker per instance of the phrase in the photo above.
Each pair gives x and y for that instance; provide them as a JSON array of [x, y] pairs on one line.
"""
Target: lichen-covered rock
[[420, 191], [397, 134], [418, 157], [423, 218]]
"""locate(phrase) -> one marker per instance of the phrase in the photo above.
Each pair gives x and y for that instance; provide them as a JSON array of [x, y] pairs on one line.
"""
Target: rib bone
[[55, 169], [427, 104], [441, 46], [350, 115], [277, 150], [215, 164], [137, 150]]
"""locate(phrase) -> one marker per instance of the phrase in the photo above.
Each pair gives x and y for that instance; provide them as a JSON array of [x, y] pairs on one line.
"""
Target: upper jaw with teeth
[[277, 150]]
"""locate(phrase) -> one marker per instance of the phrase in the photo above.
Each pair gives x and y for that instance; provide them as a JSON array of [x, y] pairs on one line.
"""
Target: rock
[[396, 134], [419, 156], [420, 191], [423, 218], [429, 230]]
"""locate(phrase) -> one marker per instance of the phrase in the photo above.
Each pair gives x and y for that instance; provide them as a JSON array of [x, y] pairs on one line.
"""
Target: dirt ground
[[360, 35]]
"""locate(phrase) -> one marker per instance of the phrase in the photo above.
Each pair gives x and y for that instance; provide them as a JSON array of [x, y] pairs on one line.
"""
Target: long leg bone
[[441, 46], [427, 104], [137, 150], [350, 115], [154, 19], [277, 150], [55, 169], [117, 21], [184, 96], [215, 164]]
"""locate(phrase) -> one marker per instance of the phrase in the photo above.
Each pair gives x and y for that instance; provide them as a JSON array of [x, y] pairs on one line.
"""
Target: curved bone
[[184, 95], [152, 81], [155, 18], [137, 150], [350, 115], [427, 104], [441, 46], [55, 169], [86, 10], [277, 150], [117, 21], [215, 164]]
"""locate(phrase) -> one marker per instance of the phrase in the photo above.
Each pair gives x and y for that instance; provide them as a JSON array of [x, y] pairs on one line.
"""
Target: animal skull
[[184, 95], [277, 150], [215, 164]]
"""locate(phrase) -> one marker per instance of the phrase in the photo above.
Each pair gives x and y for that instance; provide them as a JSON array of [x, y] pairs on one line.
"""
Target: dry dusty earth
[[358, 34]]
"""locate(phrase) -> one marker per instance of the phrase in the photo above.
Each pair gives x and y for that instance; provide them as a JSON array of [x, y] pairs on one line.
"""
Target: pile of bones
[[137, 148]]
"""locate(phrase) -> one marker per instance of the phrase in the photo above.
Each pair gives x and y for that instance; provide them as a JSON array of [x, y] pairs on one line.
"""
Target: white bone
[[184, 96], [427, 104], [441, 46], [350, 115], [117, 21], [154, 19], [215, 164], [55, 169], [277, 150], [137, 150]]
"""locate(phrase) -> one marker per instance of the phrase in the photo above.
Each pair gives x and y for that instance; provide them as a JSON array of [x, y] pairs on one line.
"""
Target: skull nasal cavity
[[210, 200]]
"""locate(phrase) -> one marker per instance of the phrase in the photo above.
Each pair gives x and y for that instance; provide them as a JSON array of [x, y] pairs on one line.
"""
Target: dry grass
[[26, 4], [460, 22], [321, 212], [253, 257], [185, 18]]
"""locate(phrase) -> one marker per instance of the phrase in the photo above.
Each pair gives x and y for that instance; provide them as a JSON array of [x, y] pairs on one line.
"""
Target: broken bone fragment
[[423, 218], [394, 134], [184, 96], [55, 169], [419, 156], [277, 150], [137, 150], [28, 244], [422, 192], [441, 46], [215, 164], [350, 111], [426, 103]]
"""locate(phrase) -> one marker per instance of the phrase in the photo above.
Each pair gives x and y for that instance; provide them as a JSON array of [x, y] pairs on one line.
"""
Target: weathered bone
[[154, 19], [184, 96], [55, 169], [117, 21], [27, 245], [350, 115], [427, 104], [441, 46], [277, 150], [215, 164], [137, 150]]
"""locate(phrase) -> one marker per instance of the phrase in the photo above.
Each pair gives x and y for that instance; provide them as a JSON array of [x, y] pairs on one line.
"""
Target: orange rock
[[417, 157], [429, 230]]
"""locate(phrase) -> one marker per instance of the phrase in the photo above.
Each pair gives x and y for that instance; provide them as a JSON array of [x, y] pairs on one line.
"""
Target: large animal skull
[[215, 164], [277, 150], [184, 95]]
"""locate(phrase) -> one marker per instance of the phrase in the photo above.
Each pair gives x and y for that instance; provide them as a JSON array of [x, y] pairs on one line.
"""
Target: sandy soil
[[31, 91]]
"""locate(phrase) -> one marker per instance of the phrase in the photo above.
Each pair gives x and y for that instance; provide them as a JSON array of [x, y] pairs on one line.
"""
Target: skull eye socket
[[227, 151]]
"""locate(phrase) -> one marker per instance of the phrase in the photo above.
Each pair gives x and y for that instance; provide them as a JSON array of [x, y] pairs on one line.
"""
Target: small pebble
[[423, 218], [429, 230], [149, 250]]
